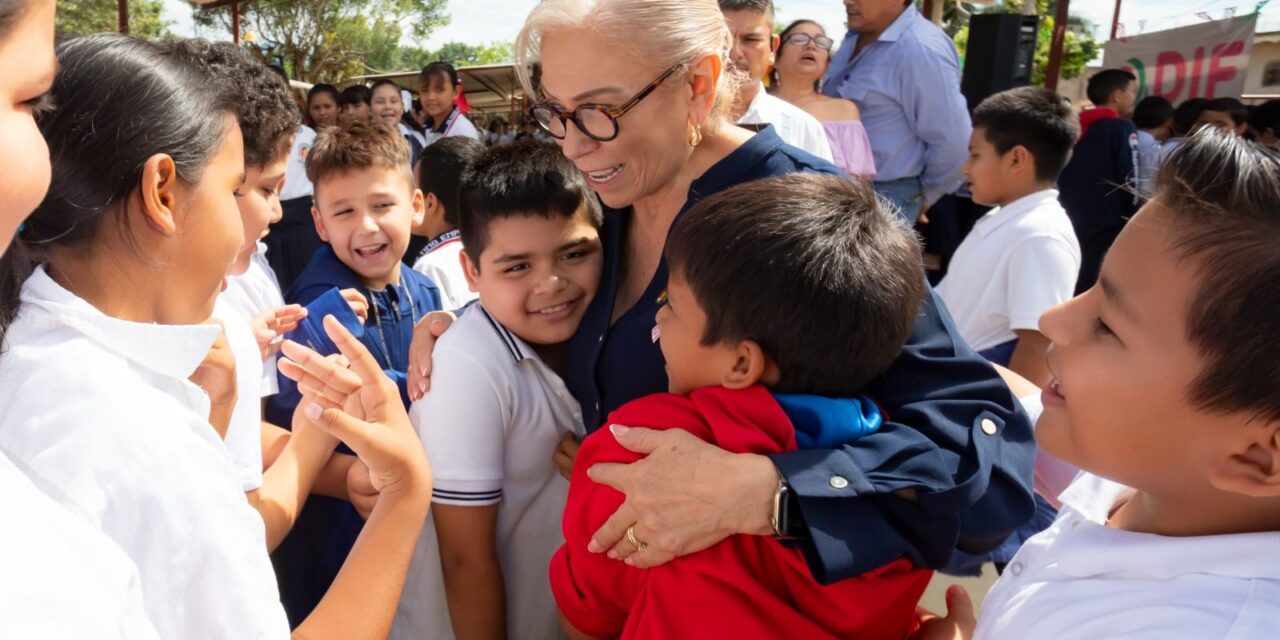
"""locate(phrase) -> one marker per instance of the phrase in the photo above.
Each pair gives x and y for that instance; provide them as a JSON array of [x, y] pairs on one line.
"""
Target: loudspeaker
[[1002, 49]]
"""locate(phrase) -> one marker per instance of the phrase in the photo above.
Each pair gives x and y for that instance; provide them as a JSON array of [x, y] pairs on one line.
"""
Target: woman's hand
[[273, 323], [684, 497], [959, 624], [430, 327], [216, 375], [359, 304], [360, 406]]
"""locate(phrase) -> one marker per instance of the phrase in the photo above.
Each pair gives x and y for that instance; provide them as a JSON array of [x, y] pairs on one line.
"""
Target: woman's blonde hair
[[667, 32]]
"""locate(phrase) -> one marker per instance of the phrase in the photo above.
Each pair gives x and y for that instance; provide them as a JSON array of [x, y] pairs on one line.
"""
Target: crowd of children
[[212, 425]]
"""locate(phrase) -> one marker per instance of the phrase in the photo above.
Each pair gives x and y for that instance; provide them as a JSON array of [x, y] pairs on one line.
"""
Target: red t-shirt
[[743, 587]]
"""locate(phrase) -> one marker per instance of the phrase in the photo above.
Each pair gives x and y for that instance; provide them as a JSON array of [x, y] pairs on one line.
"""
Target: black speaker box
[[1001, 51]]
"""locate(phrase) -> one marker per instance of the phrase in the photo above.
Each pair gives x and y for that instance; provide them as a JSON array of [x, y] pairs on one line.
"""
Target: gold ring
[[635, 542]]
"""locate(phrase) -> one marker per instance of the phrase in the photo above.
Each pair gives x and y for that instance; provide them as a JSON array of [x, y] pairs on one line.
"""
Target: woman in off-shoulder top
[[804, 52]]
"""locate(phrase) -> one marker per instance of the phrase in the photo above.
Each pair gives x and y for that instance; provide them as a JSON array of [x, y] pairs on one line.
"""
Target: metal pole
[[235, 22], [1115, 21], [1056, 44], [123, 9]]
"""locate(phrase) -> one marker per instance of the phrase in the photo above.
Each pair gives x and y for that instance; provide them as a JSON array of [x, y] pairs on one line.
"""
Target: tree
[[82, 17], [1078, 48], [465, 55], [335, 39]]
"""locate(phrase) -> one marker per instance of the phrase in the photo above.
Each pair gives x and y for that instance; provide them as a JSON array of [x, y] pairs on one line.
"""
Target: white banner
[[1200, 61]]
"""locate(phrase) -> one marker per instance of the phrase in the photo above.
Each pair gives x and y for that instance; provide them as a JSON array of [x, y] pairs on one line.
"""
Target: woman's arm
[[473, 580]]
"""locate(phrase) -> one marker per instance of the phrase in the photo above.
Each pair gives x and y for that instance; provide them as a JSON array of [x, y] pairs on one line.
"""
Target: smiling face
[[583, 67], [1123, 367], [26, 54], [537, 274], [753, 42], [387, 106], [808, 61], [259, 202], [437, 95], [366, 216]]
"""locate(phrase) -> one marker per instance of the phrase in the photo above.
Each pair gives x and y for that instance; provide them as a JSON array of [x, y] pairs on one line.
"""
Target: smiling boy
[[496, 409]]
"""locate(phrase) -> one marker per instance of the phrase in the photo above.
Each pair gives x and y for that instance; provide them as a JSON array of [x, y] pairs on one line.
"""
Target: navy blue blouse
[[955, 435]]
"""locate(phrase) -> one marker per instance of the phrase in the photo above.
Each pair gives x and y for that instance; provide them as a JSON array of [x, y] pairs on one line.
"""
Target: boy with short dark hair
[[833, 247], [1099, 186], [1021, 259], [366, 202], [1264, 120], [439, 173], [496, 410], [1226, 113], [1154, 119], [1185, 117], [1165, 394]]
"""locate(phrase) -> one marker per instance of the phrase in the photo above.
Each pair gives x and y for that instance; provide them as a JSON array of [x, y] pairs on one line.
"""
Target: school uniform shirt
[[59, 577], [490, 425], [441, 260], [794, 125], [741, 587], [955, 433], [296, 183], [455, 124], [251, 293], [1019, 261], [1080, 579], [1148, 163], [244, 432], [101, 416]]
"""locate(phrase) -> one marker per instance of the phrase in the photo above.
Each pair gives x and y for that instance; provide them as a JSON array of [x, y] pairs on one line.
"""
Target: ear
[[158, 193], [774, 42], [419, 208], [471, 270], [1253, 470], [704, 77], [431, 207], [749, 365], [1020, 159], [315, 219]]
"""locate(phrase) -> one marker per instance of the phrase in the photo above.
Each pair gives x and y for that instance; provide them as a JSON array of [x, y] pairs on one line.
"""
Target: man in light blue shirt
[[904, 75]]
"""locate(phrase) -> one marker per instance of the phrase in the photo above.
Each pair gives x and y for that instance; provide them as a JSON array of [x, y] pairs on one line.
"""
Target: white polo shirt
[[490, 425], [59, 577], [1081, 579], [794, 125], [100, 415], [296, 183], [441, 260], [244, 432], [1018, 262]]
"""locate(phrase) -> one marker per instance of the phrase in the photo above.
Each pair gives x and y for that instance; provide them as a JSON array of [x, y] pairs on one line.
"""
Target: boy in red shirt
[[786, 296]]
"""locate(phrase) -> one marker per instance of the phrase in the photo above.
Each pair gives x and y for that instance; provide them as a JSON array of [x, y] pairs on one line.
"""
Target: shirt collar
[[169, 350], [1087, 547], [515, 346], [756, 103], [1019, 208]]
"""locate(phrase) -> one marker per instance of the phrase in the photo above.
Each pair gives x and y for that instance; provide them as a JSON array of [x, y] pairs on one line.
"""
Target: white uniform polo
[[100, 415], [490, 425], [794, 125]]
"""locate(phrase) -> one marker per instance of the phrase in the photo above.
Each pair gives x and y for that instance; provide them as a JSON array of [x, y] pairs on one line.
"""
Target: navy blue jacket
[[1097, 187], [955, 435]]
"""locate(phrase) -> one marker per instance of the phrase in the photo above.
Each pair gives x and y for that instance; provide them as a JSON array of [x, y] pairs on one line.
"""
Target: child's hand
[[273, 323], [565, 453], [384, 438], [216, 375], [360, 490], [959, 624], [358, 303], [430, 327]]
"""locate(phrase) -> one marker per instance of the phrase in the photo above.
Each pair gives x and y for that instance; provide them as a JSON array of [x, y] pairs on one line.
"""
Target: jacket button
[[838, 482], [988, 426]]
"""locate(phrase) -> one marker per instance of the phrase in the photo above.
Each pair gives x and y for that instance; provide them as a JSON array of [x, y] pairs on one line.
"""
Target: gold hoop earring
[[695, 137]]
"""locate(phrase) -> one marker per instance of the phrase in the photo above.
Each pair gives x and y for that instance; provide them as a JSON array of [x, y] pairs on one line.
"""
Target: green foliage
[[335, 39], [82, 17], [1077, 49]]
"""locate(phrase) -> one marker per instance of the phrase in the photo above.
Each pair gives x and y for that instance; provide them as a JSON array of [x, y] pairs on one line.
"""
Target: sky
[[483, 21]]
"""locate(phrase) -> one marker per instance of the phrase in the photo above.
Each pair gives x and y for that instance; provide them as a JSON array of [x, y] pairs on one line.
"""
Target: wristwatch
[[786, 521]]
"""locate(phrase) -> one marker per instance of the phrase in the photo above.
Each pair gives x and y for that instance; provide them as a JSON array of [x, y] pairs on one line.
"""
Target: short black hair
[[266, 112], [440, 69], [324, 88], [1032, 117], [1106, 82], [440, 169], [1266, 116], [1230, 106], [527, 178], [815, 268], [355, 94], [1152, 112], [1186, 115], [763, 6], [1222, 193]]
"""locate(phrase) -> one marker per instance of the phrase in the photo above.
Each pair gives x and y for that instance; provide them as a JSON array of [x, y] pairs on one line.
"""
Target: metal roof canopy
[[491, 87]]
